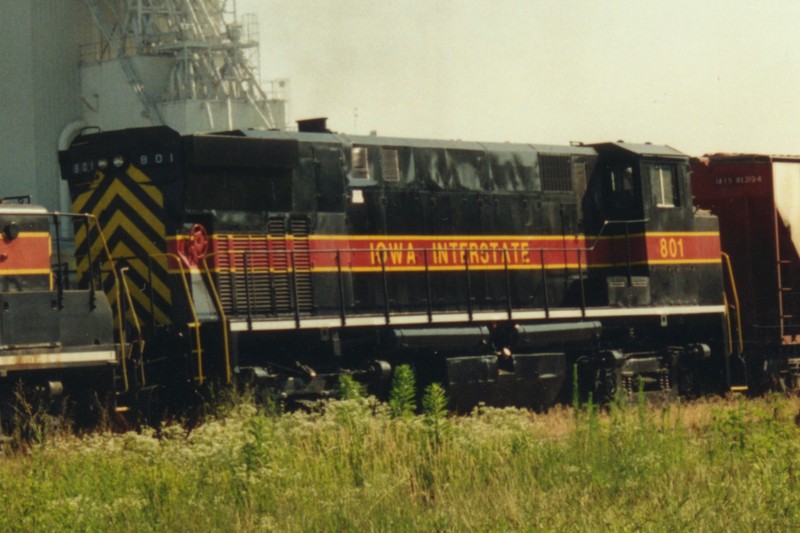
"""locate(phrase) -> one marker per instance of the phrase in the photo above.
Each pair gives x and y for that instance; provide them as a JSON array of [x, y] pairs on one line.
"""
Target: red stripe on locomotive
[[409, 253], [25, 255]]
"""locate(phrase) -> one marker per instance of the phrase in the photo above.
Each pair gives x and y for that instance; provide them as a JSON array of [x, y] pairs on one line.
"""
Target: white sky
[[700, 75]]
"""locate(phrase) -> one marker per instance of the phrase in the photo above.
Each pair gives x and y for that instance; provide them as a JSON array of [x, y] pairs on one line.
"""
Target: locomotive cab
[[650, 240], [651, 252], [641, 183]]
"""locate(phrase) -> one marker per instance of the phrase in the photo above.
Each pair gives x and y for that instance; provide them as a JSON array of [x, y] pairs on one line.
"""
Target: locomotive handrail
[[223, 318], [428, 292], [340, 279], [469, 286], [59, 281], [61, 277], [546, 300], [92, 221], [293, 255], [247, 298], [608, 223], [508, 286], [732, 280], [382, 264], [385, 288], [151, 293], [339, 270], [190, 302], [383, 268], [729, 331], [583, 288], [381, 254], [136, 324]]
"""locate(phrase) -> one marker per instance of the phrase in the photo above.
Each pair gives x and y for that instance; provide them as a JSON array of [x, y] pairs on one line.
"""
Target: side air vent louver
[[391, 167], [556, 172]]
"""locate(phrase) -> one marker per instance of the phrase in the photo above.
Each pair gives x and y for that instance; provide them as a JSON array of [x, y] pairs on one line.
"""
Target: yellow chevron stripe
[[137, 175], [137, 293], [137, 264], [147, 185], [121, 250], [121, 219], [118, 189], [142, 299], [80, 201]]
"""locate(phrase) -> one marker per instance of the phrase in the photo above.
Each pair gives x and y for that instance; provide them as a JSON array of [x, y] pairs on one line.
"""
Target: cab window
[[664, 185], [621, 192], [620, 180]]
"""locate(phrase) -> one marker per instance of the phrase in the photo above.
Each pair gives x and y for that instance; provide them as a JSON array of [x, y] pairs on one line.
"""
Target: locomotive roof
[[643, 150], [374, 140]]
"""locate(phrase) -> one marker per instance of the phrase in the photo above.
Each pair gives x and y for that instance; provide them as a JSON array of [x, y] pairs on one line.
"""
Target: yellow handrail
[[732, 280], [190, 302], [136, 324], [223, 317], [728, 323], [118, 299]]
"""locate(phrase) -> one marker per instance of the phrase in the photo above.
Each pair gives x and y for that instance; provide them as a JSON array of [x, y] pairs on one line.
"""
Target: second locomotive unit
[[509, 272], [57, 341]]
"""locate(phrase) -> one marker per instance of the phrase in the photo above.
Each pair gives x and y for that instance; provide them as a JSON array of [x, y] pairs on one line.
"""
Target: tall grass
[[351, 465]]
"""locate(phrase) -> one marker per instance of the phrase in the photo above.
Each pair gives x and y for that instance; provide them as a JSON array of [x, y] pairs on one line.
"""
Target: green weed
[[357, 465]]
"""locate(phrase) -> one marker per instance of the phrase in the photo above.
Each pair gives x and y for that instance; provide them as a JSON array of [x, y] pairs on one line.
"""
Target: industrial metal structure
[[188, 64], [191, 65]]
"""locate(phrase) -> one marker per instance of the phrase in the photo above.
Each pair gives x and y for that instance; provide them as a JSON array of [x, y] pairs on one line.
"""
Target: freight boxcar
[[757, 200]]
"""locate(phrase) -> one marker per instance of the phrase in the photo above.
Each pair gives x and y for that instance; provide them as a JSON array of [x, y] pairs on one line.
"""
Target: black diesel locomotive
[[288, 259], [57, 341]]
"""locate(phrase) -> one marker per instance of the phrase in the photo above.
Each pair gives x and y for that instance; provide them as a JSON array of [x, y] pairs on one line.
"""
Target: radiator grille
[[264, 274]]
